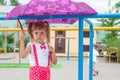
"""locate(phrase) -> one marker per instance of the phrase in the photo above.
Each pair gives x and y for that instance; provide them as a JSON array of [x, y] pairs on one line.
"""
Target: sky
[[101, 6]]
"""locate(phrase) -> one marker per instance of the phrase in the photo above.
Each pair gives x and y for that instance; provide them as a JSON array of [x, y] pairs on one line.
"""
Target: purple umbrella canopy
[[52, 7]]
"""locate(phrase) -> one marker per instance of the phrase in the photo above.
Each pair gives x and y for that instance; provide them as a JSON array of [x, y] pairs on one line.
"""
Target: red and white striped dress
[[39, 62]]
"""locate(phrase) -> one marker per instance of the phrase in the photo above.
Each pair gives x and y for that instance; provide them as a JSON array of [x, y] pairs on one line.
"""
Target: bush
[[2, 41], [10, 42], [114, 42]]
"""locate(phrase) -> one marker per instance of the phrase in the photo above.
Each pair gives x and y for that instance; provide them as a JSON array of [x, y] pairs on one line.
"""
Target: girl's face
[[39, 35]]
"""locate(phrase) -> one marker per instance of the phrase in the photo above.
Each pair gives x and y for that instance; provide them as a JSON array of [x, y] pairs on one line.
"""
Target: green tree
[[109, 22], [117, 6], [14, 2], [2, 2], [10, 41], [2, 39], [110, 39]]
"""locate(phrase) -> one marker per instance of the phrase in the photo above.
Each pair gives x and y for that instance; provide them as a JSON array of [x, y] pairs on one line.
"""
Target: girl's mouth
[[38, 39]]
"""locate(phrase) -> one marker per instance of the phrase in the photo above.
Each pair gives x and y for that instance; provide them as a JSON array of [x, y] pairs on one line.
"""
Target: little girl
[[95, 54], [40, 53]]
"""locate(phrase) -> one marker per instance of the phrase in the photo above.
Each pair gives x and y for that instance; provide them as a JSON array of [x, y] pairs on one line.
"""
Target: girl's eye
[[42, 32], [36, 32]]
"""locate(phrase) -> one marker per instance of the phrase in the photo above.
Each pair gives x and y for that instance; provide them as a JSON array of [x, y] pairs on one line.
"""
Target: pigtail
[[30, 31], [47, 31]]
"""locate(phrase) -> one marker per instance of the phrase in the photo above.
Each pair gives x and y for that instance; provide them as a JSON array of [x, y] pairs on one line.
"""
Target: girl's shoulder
[[47, 44], [30, 44]]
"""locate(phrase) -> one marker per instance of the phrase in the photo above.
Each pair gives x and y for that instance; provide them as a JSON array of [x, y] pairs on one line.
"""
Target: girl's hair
[[95, 46], [38, 26]]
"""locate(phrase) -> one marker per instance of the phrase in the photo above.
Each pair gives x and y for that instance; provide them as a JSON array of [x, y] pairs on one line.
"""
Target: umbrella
[[52, 7]]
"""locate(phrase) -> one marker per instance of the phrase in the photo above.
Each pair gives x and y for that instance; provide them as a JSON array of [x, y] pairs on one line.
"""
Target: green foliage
[[9, 48], [117, 5], [2, 39], [10, 42], [109, 22], [113, 42], [2, 2], [110, 35], [10, 38], [110, 39], [14, 2]]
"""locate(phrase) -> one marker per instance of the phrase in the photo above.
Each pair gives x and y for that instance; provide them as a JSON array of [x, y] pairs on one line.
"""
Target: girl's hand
[[51, 50], [52, 54]]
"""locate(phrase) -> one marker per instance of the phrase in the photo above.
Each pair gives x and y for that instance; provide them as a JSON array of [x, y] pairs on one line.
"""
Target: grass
[[23, 65], [16, 65]]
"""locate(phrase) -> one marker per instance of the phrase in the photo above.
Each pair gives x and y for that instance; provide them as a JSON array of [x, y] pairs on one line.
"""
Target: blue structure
[[81, 18], [68, 52]]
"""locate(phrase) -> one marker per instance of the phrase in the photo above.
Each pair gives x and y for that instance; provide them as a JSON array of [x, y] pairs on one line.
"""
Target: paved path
[[69, 70]]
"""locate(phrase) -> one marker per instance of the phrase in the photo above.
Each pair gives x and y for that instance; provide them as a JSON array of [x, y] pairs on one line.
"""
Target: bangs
[[38, 26]]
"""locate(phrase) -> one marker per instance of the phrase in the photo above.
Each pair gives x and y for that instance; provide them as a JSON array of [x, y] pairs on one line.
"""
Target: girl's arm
[[23, 52], [53, 56]]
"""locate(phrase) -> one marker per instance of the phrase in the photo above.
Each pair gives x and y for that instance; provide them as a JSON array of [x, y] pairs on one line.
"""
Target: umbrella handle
[[21, 26]]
